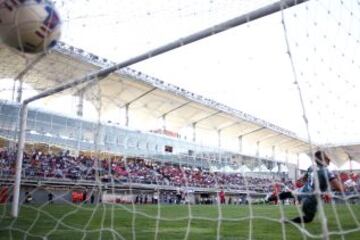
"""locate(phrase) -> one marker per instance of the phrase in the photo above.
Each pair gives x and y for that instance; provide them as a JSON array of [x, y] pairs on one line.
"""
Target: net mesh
[[161, 150]]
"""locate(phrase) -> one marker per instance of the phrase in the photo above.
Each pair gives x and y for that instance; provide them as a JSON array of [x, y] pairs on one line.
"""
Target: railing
[[26, 180]]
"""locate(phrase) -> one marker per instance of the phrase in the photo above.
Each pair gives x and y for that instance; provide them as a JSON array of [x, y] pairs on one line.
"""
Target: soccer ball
[[30, 26]]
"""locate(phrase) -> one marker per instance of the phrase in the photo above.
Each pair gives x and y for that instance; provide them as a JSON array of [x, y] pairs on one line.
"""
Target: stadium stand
[[65, 167]]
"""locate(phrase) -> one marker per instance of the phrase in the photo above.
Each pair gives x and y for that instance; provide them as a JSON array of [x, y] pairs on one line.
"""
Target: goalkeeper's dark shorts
[[309, 208]]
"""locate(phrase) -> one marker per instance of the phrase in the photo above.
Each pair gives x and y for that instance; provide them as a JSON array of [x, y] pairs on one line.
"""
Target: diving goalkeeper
[[306, 193]]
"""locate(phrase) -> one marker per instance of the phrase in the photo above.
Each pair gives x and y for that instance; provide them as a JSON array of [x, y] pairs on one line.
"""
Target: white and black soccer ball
[[30, 26]]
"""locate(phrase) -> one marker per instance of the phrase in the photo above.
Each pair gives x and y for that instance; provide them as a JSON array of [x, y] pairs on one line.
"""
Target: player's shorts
[[309, 207]]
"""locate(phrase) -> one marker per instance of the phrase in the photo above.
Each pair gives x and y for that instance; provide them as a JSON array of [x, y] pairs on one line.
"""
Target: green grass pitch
[[198, 222]]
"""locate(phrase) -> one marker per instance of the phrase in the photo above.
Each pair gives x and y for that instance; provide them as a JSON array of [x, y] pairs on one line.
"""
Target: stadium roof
[[148, 98], [343, 155]]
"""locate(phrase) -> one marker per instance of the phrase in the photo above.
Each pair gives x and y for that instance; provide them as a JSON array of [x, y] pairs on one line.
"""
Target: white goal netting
[[206, 141]]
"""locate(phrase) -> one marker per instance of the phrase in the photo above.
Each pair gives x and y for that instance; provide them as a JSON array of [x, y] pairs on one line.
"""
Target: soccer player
[[50, 198], [28, 197], [222, 196], [306, 193], [274, 195]]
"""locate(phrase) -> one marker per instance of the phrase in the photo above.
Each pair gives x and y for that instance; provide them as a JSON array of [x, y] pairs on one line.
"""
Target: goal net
[[185, 120]]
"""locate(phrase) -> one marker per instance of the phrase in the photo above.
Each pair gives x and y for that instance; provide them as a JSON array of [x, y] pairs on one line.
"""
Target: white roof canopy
[[262, 168], [243, 169], [350, 165], [148, 98], [283, 169]]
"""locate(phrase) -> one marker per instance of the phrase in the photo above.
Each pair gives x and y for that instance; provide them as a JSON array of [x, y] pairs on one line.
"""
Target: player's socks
[[301, 219]]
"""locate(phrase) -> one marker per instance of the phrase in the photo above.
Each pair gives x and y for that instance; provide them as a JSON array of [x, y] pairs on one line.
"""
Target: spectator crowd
[[115, 169]]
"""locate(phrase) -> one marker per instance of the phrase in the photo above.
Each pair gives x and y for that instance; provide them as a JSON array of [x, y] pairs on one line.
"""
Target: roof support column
[[127, 105], [240, 143], [194, 131], [13, 91], [163, 122], [80, 104], [19, 91], [286, 162], [297, 172], [219, 137], [273, 152], [257, 149], [278, 167], [127, 114]]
